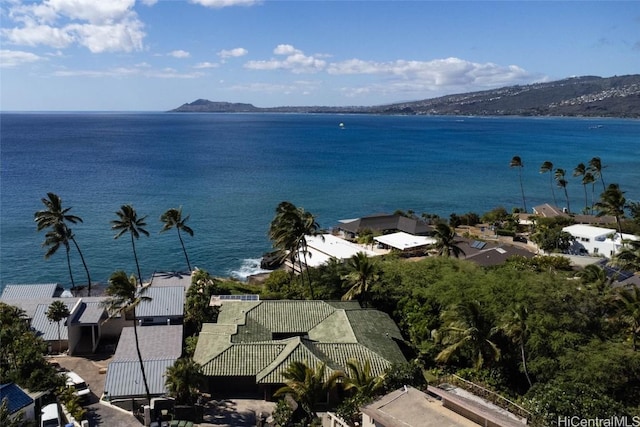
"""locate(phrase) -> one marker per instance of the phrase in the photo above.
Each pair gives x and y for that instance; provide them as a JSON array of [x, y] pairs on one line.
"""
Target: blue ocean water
[[230, 171]]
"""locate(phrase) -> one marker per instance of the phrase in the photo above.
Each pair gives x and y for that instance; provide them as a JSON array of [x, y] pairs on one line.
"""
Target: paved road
[[90, 369]]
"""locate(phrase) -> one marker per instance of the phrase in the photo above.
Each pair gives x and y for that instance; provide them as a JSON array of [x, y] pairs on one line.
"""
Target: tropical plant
[[612, 202], [183, 380], [514, 326], [7, 419], [446, 243], [128, 222], [288, 231], [628, 258], [562, 183], [54, 215], [124, 295], [467, 331], [547, 167], [629, 306], [516, 162], [56, 312], [587, 178], [363, 273], [58, 236], [308, 386], [360, 380], [172, 218], [595, 167]]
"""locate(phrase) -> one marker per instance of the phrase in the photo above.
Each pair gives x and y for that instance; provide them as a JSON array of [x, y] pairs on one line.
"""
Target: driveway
[[92, 369]]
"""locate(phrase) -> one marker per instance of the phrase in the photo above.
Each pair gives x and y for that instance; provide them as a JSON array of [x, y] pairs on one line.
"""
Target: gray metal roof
[[165, 301], [13, 291], [89, 313], [124, 379], [48, 329], [156, 343], [171, 278]]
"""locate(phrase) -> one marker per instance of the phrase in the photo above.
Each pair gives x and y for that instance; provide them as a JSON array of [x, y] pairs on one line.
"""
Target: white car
[[50, 416], [75, 382]]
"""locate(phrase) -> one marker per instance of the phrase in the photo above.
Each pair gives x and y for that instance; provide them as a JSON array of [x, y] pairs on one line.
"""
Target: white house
[[597, 241]]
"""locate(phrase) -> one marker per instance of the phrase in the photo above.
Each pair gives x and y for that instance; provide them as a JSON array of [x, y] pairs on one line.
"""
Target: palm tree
[[361, 380], [446, 242], [516, 162], [562, 183], [183, 380], [548, 167], [586, 180], [308, 386], [128, 222], [612, 202], [173, 218], [288, 231], [124, 296], [595, 167], [629, 305], [629, 257], [467, 330], [55, 214], [515, 327], [581, 170], [363, 273], [55, 313], [59, 236]]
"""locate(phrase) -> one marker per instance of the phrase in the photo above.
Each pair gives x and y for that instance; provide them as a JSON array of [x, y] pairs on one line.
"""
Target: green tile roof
[[243, 342]]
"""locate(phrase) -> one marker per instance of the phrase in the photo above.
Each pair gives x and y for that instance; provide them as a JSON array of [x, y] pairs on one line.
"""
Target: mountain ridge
[[585, 96]]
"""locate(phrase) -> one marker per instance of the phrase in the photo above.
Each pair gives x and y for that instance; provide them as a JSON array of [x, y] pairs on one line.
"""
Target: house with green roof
[[253, 342]]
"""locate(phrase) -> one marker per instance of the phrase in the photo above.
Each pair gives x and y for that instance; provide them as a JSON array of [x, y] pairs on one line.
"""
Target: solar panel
[[478, 244], [244, 297]]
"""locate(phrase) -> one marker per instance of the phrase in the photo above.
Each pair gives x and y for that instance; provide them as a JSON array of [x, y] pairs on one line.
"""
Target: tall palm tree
[[173, 218], [516, 162], [612, 202], [586, 180], [55, 313], [562, 183], [595, 167], [363, 273], [183, 380], [308, 386], [548, 167], [629, 305], [581, 170], [55, 214], [59, 236], [446, 242], [124, 295], [128, 222], [467, 330], [288, 231], [515, 327]]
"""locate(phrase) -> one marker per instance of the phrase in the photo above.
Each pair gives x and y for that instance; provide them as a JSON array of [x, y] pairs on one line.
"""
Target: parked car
[[80, 387], [50, 416]]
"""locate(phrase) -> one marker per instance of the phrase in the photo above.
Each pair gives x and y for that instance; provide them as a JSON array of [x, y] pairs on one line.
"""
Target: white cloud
[[179, 54], [217, 4], [12, 58], [233, 53], [98, 25], [140, 70], [296, 61], [205, 65], [436, 73]]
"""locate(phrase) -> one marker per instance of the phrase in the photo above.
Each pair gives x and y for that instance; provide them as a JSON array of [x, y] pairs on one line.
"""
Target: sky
[[155, 55]]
